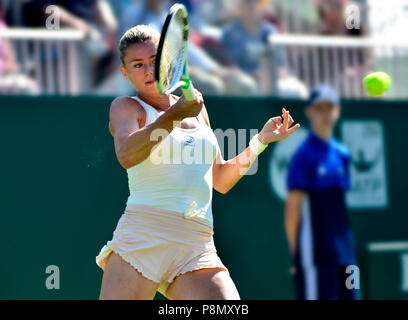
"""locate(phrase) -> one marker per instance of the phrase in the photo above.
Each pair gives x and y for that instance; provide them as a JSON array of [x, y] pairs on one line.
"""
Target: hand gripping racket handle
[[188, 89]]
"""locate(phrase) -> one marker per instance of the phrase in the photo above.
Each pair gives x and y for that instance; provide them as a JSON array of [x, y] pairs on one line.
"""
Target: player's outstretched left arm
[[227, 173], [275, 129]]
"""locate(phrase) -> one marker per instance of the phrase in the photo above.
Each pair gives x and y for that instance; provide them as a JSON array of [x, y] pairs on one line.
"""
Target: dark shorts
[[324, 283]]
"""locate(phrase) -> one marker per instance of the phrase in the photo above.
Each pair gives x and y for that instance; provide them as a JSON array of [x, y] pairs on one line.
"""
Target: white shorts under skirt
[[162, 244]]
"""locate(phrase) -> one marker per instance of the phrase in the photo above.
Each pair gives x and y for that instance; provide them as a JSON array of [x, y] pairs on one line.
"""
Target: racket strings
[[173, 54]]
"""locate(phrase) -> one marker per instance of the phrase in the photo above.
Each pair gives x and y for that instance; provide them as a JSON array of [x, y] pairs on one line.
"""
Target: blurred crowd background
[[237, 47]]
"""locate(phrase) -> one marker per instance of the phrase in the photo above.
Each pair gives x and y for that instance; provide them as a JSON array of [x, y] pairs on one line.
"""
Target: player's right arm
[[134, 143], [293, 211]]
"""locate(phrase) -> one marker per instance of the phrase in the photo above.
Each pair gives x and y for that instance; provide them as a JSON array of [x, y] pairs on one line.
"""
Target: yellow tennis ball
[[377, 83]]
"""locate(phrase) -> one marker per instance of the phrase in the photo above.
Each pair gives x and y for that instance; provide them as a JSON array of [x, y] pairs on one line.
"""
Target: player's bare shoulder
[[125, 110]]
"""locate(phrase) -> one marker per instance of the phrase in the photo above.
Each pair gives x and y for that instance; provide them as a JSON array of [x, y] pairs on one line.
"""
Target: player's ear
[[123, 71]]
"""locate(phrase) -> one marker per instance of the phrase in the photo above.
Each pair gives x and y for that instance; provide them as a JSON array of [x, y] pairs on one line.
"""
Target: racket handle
[[188, 90]]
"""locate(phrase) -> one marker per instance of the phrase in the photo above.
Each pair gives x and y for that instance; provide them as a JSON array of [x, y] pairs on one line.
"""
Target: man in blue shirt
[[316, 219]]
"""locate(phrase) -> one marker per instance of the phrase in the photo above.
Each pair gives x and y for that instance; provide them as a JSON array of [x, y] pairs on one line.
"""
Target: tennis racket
[[171, 57]]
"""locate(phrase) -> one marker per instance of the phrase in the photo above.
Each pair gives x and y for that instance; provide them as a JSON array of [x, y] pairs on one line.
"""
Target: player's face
[[323, 116], [139, 62]]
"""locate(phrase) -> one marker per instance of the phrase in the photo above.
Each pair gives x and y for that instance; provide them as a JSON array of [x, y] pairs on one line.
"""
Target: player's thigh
[[203, 284], [122, 281]]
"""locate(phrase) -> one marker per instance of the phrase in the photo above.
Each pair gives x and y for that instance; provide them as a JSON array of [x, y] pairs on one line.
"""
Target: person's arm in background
[[10, 64], [292, 218], [70, 20], [108, 21], [106, 16], [7, 54], [37, 11]]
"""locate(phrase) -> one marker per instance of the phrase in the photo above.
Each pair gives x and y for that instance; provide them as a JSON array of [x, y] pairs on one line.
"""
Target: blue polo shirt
[[321, 169]]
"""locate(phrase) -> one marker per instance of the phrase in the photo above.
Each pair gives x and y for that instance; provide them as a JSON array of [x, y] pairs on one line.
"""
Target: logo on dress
[[189, 141]]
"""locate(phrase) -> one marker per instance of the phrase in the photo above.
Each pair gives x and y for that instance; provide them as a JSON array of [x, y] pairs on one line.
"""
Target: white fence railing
[[51, 57], [343, 61]]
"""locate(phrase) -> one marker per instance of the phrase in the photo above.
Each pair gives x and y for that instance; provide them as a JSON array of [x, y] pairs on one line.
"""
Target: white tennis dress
[[177, 176], [167, 227]]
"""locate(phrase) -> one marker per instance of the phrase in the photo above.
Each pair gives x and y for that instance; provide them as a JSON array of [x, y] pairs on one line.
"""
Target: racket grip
[[188, 90]]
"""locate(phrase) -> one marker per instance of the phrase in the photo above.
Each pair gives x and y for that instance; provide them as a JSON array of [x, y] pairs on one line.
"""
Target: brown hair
[[138, 34]]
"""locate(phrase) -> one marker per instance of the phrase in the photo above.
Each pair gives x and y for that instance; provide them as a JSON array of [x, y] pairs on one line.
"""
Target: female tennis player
[[164, 240]]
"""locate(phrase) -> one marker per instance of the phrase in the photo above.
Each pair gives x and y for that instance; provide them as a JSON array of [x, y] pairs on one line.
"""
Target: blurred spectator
[[269, 14], [149, 12], [316, 219], [347, 64], [206, 12], [246, 37], [11, 80], [246, 43], [94, 17], [333, 20], [207, 74]]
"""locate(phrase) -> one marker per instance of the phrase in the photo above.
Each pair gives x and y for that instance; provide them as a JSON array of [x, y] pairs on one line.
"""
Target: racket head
[[171, 56]]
